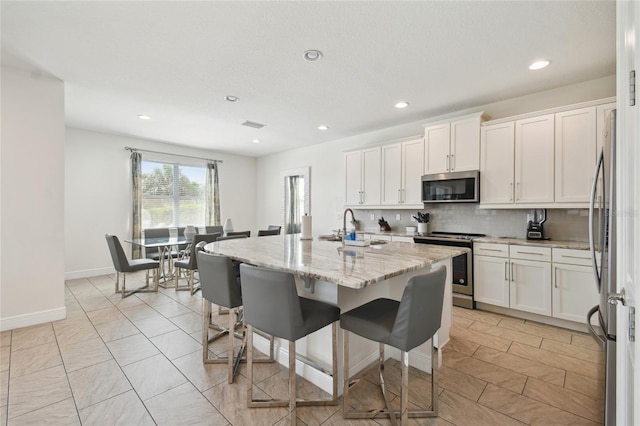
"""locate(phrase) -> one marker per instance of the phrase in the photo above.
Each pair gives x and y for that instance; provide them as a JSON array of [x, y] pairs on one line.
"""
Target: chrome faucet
[[344, 223]]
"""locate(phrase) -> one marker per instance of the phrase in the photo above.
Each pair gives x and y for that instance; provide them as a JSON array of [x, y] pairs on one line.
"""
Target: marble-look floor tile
[[570, 350], [540, 330], [485, 371], [203, 376], [105, 315], [462, 411], [84, 354], [153, 299], [521, 365], [95, 303], [61, 413], [131, 349], [128, 302], [35, 358], [480, 338], [231, 400], [37, 390], [505, 333], [153, 376], [139, 311], [96, 383], [172, 309], [189, 322], [154, 325], [528, 410], [115, 330], [176, 344], [69, 332], [184, 405], [554, 359], [32, 336], [565, 399], [124, 409]]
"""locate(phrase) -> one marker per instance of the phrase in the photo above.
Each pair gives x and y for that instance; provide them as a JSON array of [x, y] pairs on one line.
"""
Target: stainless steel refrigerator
[[602, 233]]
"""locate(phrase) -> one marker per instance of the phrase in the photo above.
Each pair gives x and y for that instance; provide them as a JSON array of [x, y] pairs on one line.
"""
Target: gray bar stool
[[272, 305], [220, 285], [403, 325], [122, 266]]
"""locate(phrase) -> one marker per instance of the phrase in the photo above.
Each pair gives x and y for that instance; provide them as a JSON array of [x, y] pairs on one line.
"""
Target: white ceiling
[[176, 61]]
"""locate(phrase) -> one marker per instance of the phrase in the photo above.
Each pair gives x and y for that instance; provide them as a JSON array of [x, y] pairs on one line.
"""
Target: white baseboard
[[87, 273], [34, 318]]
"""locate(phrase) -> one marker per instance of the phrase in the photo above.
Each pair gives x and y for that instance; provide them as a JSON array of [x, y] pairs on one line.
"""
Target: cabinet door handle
[[404, 196], [517, 191], [488, 249], [446, 163], [506, 271], [510, 191], [555, 276], [575, 257], [399, 196], [452, 164], [511, 276], [530, 252]]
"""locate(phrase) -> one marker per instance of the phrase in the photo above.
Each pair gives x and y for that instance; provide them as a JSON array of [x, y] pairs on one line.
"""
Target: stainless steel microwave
[[454, 187]]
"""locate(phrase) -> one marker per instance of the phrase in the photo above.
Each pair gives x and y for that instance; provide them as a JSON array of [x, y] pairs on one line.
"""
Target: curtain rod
[[167, 153]]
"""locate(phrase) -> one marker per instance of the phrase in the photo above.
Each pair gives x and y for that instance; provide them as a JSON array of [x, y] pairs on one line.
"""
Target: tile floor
[[138, 361]]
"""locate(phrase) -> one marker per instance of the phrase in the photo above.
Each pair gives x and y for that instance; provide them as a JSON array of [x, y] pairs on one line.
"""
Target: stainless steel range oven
[[462, 274]]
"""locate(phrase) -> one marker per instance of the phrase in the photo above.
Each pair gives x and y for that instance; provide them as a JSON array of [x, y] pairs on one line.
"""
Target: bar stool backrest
[[232, 233], [271, 302], [120, 262], [199, 241], [420, 311], [218, 280]]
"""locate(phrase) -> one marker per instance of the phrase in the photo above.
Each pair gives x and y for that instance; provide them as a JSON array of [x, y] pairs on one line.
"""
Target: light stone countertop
[[354, 267], [575, 245]]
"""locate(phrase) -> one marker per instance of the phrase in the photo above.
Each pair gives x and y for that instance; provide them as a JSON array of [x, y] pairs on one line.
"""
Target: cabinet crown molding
[[483, 116]]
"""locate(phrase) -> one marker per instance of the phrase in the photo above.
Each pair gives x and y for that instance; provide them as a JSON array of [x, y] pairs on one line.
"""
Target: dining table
[[165, 245]]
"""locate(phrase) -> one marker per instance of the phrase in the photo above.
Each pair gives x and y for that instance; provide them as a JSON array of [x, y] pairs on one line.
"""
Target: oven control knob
[[461, 281]]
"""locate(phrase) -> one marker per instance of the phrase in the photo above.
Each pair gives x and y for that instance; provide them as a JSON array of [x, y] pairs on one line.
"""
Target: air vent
[[253, 124]]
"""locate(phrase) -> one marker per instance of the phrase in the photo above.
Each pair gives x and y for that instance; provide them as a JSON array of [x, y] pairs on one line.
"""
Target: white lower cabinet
[[574, 288], [530, 286], [487, 274]]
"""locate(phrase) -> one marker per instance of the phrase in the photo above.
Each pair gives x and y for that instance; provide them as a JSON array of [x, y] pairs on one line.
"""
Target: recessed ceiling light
[[539, 65], [256, 141], [232, 98], [401, 105], [312, 55], [144, 117], [323, 127]]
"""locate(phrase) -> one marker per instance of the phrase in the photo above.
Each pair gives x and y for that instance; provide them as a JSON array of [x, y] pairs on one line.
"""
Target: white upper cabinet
[[436, 156], [362, 177], [542, 160], [453, 146], [575, 157], [497, 163], [402, 169], [534, 164]]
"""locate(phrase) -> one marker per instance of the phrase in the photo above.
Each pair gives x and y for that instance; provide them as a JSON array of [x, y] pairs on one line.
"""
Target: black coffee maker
[[535, 220]]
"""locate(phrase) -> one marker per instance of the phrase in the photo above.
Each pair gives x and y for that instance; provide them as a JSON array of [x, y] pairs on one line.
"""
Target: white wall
[[32, 210], [98, 188], [326, 160]]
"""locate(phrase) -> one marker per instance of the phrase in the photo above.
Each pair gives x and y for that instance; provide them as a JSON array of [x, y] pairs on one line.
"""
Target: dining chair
[[153, 252], [404, 325], [213, 228], [122, 266], [232, 237], [234, 233], [266, 232], [272, 227], [190, 264]]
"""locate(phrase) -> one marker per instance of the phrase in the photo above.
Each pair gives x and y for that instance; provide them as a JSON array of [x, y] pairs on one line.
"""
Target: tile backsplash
[[561, 224]]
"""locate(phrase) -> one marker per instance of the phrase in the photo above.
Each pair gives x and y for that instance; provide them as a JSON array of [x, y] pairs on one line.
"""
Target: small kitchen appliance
[[535, 219]]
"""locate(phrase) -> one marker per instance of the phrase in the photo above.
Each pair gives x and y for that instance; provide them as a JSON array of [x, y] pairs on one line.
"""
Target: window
[[172, 195]]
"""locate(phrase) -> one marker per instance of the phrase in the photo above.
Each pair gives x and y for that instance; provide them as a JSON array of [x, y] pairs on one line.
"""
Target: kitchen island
[[346, 276]]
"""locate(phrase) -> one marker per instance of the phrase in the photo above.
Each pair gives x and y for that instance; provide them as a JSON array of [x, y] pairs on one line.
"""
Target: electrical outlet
[[413, 219], [372, 217], [398, 216]]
